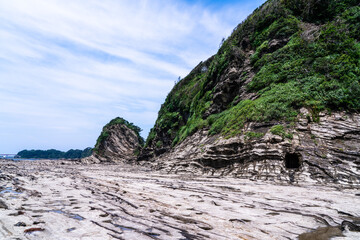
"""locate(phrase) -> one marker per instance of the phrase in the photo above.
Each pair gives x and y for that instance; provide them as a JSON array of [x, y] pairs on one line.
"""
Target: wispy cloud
[[68, 67]]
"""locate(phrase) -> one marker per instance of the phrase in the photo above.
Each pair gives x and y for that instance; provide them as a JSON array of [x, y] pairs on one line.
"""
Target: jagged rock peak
[[119, 140]]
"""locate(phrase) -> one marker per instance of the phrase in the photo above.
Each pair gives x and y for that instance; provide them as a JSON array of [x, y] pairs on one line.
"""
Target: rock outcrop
[[121, 201], [325, 150], [119, 141], [273, 103], [280, 100]]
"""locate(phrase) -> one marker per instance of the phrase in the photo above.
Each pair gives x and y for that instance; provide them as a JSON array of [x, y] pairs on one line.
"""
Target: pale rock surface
[[70, 200]]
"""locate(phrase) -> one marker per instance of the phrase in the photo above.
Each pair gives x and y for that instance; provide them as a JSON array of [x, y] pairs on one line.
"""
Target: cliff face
[[327, 150], [279, 100], [119, 141]]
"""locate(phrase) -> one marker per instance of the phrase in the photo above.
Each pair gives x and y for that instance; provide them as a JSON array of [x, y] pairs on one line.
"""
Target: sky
[[67, 67]]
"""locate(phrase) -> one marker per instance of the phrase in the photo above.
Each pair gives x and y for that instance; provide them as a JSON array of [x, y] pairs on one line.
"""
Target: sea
[[14, 157]]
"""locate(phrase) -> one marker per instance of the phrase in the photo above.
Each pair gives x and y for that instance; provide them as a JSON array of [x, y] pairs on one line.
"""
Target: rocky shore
[[71, 200]]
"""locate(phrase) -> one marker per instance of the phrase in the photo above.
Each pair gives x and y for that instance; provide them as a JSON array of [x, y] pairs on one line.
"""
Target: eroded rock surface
[[69, 200], [326, 149], [119, 144]]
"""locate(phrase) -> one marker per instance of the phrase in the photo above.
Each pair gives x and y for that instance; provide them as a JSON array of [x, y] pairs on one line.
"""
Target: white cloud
[[70, 66]]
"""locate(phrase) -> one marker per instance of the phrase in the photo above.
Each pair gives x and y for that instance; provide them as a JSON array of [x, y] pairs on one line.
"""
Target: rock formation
[[46, 200], [118, 141], [323, 151], [273, 103], [280, 100]]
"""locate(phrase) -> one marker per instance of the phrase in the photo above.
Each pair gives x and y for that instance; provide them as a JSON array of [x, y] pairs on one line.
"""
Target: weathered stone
[[3, 205], [322, 233], [350, 226], [134, 202], [328, 150], [120, 145], [20, 224]]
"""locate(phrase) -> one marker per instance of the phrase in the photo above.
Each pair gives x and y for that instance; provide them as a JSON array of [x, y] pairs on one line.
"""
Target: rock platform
[[71, 200]]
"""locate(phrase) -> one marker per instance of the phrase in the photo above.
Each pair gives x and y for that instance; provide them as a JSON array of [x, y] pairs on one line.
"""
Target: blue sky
[[67, 67]]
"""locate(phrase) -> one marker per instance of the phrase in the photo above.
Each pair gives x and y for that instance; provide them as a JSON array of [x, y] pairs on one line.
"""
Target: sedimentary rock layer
[[118, 145], [68, 200], [326, 149]]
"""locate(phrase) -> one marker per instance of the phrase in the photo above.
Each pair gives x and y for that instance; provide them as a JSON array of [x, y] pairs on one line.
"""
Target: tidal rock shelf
[[70, 200]]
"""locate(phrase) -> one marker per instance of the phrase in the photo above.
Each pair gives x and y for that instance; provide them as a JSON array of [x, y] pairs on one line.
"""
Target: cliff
[[323, 151], [280, 99], [119, 141]]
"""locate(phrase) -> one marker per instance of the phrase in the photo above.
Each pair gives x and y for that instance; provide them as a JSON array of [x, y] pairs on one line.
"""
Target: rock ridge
[[117, 143], [321, 151]]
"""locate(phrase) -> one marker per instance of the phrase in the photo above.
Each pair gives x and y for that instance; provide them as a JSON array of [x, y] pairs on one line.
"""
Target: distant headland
[[50, 154]]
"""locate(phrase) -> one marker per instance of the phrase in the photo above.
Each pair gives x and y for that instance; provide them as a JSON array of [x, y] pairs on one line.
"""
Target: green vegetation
[[306, 53], [280, 131], [159, 144], [54, 154], [137, 152], [252, 135], [118, 120]]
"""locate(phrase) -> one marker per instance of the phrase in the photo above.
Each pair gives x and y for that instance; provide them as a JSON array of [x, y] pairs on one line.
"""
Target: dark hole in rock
[[292, 160]]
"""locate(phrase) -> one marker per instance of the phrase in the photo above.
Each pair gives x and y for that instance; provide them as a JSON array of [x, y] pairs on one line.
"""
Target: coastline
[[69, 200]]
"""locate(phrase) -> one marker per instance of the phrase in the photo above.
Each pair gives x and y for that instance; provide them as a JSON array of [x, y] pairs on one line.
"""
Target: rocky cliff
[[322, 151], [279, 100], [118, 141]]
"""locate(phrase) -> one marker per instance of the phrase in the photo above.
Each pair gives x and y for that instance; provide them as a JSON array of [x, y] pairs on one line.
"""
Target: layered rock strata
[[46, 200], [119, 144], [323, 149]]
